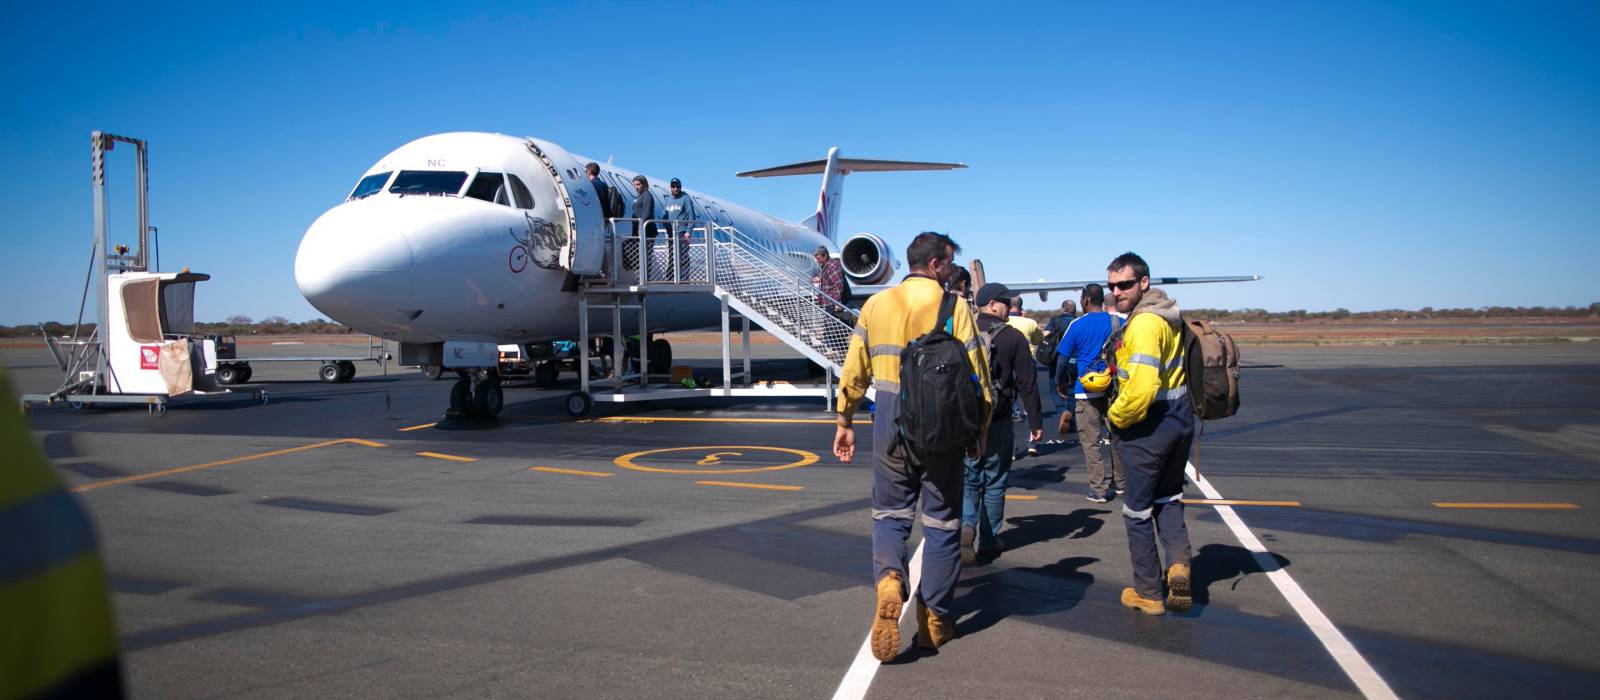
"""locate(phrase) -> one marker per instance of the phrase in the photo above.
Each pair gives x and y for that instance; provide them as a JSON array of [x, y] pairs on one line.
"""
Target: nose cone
[[355, 264]]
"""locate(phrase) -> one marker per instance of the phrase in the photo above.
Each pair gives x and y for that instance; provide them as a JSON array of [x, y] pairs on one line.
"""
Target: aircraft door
[[583, 251]]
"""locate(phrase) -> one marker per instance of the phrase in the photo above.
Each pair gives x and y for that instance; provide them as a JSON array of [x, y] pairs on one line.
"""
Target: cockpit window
[[428, 182], [524, 197], [370, 185], [489, 187]]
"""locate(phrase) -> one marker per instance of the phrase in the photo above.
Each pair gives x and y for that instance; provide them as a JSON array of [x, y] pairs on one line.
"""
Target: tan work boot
[[1132, 599], [1178, 599], [932, 631], [886, 617]]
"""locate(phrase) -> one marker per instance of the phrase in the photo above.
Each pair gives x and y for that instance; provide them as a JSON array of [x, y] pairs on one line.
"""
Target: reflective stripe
[[1122, 374], [862, 331], [884, 350], [1140, 358], [937, 524], [971, 345], [886, 386], [896, 514], [1137, 514], [1170, 499], [42, 533], [1174, 393]]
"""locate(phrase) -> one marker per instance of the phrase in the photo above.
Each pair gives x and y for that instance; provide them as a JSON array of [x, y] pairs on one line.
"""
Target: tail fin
[[833, 168]]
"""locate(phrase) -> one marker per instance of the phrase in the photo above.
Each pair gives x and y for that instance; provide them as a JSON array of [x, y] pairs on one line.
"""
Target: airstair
[[754, 279]]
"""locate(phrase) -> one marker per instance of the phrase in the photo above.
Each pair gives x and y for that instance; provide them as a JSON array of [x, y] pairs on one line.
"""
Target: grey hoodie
[[1157, 302]]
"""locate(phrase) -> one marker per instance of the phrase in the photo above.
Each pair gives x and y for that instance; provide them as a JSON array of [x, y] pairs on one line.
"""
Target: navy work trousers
[[1154, 452], [897, 486]]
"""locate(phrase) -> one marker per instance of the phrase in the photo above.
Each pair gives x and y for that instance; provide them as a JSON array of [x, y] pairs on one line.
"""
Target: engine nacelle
[[867, 259]]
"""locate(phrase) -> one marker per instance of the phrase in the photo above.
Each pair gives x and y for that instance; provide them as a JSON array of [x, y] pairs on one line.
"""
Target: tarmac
[[1436, 506]]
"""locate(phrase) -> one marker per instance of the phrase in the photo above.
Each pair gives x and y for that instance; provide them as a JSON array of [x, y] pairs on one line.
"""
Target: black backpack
[[941, 406], [1045, 354]]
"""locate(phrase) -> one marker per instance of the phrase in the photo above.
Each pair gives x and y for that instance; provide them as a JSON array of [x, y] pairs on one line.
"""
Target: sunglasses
[[1122, 286]]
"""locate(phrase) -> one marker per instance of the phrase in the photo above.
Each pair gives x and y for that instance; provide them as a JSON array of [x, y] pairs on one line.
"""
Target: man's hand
[[1035, 434], [844, 443]]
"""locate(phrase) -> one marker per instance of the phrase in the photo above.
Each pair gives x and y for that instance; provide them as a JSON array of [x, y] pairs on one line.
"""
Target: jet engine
[[867, 259]]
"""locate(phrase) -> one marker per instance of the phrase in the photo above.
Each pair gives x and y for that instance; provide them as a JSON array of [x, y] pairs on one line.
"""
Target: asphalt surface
[[306, 547]]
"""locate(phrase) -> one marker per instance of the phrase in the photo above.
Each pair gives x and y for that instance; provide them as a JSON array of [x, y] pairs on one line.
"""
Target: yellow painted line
[[1021, 497], [575, 472], [628, 461], [418, 427], [219, 463], [453, 458], [743, 485], [647, 419], [1507, 506], [1231, 502]]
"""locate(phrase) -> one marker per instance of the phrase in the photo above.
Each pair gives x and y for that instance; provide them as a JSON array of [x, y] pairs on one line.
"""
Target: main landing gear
[[476, 394]]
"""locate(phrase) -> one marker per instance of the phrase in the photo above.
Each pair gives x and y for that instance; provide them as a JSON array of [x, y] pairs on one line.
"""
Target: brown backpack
[[1211, 361]]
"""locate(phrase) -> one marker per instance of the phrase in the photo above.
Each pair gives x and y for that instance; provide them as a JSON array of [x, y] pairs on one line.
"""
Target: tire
[[459, 393], [247, 372], [660, 356], [579, 404], [330, 373], [432, 372], [545, 374], [489, 400], [229, 374], [347, 370]]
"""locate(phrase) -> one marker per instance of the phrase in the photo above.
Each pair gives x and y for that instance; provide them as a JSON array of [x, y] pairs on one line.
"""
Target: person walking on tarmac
[[1085, 338], [1011, 369], [1152, 428], [889, 320]]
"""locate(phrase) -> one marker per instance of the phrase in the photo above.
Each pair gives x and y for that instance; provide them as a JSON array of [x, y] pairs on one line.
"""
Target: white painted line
[[859, 677], [1355, 666]]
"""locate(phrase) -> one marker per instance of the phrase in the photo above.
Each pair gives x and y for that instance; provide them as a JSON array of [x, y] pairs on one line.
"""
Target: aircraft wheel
[[459, 395], [158, 409], [579, 404], [228, 374], [489, 400], [347, 370], [432, 371], [245, 372], [660, 356], [544, 374], [330, 373]]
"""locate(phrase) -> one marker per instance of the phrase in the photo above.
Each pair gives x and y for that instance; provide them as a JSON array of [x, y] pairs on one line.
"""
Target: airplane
[[455, 243]]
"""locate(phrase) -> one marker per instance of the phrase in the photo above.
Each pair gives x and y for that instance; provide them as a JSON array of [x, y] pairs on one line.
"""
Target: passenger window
[[520, 191], [428, 182], [489, 187], [369, 185]]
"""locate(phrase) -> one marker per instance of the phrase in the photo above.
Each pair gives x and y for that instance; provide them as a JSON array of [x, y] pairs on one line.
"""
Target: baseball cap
[[675, 183], [994, 291]]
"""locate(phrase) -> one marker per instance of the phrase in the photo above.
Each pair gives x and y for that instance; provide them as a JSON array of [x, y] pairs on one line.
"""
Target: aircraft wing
[[866, 290]]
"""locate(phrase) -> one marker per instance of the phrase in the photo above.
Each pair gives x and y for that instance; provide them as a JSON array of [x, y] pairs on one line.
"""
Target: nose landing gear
[[476, 395]]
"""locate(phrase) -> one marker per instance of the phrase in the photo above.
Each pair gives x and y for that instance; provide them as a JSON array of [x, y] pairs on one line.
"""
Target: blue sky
[[1358, 155]]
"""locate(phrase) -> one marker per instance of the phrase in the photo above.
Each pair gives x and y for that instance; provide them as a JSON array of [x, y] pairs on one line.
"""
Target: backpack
[[1045, 354], [1211, 361], [1000, 395], [940, 404], [614, 203]]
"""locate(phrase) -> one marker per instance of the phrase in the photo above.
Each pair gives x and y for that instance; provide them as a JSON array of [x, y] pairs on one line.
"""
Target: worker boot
[[1132, 599], [1178, 599], [932, 631], [886, 617]]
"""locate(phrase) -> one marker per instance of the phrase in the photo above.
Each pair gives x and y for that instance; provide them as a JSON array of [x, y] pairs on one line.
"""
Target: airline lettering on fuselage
[[436, 163]]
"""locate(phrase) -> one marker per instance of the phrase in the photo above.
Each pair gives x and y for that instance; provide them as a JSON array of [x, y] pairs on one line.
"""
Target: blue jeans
[[984, 503], [897, 486]]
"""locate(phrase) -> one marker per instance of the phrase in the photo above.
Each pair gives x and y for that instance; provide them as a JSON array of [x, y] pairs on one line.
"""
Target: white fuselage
[[428, 248]]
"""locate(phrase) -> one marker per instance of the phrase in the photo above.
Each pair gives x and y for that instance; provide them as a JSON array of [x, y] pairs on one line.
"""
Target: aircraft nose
[[356, 266]]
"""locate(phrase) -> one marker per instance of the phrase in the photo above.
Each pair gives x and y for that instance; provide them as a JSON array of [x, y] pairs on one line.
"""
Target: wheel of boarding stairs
[[579, 404], [660, 356], [460, 392], [347, 370], [330, 373], [245, 371], [229, 374]]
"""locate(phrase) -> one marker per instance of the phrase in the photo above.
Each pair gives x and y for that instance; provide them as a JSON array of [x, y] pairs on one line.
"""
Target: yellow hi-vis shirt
[[56, 636], [889, 320], [1149, 365]]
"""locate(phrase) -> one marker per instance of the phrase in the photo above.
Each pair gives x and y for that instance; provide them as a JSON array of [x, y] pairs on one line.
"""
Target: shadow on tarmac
[[993, 597], [1215, 563]]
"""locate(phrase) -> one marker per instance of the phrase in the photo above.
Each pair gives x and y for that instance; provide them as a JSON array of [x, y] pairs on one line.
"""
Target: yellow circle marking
[[716, 458], [627, 461]]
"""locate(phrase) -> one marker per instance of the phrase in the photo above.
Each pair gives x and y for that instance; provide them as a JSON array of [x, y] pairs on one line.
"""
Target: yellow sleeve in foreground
[[965, 328]]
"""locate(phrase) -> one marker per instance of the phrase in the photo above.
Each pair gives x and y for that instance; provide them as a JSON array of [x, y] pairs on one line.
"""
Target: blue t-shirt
[[1085, 337]]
